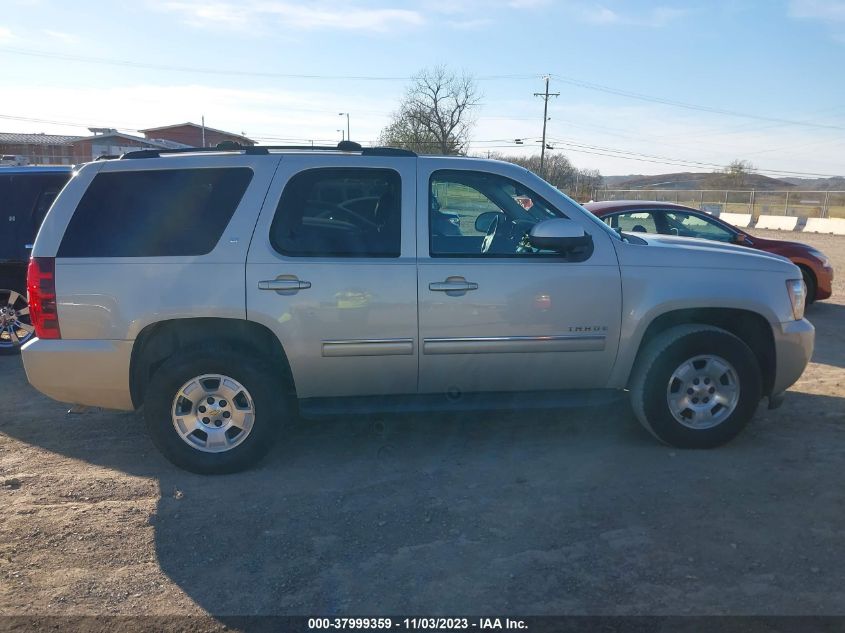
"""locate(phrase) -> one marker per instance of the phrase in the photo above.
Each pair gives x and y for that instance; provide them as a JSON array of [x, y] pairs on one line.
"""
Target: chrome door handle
[[280, 285], [452, 285]]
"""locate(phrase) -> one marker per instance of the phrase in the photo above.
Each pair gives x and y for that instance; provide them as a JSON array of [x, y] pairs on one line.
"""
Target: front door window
[[692, 225], [475, 214]]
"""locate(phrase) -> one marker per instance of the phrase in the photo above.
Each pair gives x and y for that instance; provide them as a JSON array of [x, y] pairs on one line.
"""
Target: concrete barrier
[[741, 220], [779, 222], [825, 225]]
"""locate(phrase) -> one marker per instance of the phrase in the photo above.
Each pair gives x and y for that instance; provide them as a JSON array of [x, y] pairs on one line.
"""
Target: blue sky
[[616, 63]]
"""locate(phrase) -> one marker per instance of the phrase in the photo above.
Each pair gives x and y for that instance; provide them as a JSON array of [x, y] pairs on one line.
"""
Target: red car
[[633, 216]]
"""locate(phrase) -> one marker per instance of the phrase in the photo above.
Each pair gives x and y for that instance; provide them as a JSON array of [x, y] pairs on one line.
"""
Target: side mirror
[[559, 235], [484, 220], [741, 239]]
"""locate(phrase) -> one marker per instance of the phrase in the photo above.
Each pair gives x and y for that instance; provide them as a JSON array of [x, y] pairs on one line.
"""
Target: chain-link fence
[[809, 204]]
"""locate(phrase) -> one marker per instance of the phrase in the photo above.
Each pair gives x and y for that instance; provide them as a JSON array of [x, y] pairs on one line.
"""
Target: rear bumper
[[89, 372], [794, 342]]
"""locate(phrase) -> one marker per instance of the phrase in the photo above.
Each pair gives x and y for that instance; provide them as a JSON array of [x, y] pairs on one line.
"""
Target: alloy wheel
[[15, 326], [213, 413], [703, 391]]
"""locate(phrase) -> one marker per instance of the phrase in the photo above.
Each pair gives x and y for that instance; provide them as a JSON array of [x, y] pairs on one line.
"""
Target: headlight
[[823, 259], [797, 295]]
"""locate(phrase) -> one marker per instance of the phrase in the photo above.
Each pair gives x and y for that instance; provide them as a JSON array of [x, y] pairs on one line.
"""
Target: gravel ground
[[563, 512]]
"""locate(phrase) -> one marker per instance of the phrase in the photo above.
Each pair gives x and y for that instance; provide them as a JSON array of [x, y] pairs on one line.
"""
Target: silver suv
[[226, 290]]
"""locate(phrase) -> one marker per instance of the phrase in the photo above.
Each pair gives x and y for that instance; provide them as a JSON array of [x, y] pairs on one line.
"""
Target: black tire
[[266, 385], [810, 281], [8, 346], [664, 355]]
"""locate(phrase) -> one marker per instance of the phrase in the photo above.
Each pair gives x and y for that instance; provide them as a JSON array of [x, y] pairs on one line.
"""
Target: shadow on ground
[[569, 511], [828, 318]]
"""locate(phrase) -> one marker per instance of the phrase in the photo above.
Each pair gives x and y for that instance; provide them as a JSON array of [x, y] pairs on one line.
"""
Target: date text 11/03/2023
[[428, 624]]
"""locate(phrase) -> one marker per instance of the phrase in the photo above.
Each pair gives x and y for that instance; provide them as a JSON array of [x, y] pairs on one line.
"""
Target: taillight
[[41, 286]]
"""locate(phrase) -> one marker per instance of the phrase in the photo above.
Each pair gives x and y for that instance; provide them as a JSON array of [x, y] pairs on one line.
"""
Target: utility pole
[[545, 96], [348, 135], [203, 130]]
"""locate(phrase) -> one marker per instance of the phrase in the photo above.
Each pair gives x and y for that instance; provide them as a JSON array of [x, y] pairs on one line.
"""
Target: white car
[[13, 160]]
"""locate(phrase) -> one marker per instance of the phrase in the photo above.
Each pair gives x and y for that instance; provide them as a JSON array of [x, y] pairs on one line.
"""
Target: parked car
[[213, 289], [666, 218], [25, 195], [13, 160]]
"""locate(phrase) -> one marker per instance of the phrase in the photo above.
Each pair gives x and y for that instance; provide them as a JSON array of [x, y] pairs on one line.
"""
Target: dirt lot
[[565, 512]]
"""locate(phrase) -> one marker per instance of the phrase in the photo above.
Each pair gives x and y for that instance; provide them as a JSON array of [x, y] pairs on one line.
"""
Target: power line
[[688, 106], [566, 79], [66, 123], [570, 145], [680, 162], [222, 71]]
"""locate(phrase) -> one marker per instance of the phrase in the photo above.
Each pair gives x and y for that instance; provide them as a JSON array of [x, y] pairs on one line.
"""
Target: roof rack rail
[[387, 151], [259, 150]]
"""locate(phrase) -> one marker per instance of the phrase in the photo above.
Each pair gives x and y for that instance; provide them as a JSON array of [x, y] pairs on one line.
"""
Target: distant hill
[[692, 180], [837, 183], [612, 182]]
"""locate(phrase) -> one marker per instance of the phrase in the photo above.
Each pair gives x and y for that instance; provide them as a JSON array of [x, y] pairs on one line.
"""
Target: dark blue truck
[[26, 194]]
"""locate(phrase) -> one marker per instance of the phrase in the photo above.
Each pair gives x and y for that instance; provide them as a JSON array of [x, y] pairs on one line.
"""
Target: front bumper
[[824, 284], [794, 342], [91, 372]]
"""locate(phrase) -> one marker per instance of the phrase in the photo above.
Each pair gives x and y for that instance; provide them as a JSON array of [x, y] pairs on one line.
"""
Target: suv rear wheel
[[215, 412], [696, 386], [15, 326]]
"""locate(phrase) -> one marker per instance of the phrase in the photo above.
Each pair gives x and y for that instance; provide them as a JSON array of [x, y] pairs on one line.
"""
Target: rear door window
[[339, 212], [634, 222], [158, 213], [8, 219], [24, 199], [48, 188]]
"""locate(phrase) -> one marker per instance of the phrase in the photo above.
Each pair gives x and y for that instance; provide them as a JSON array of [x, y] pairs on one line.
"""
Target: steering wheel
[[506, 237], [487, 242]]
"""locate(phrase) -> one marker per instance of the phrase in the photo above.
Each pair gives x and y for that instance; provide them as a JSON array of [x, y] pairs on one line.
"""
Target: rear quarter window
[[158, 213]]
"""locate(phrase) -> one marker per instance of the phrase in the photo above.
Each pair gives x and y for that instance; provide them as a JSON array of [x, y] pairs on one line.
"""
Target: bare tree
[[587, 182], [559, 171], [579, 183], [737, 172], [436, 111], [407, 133]]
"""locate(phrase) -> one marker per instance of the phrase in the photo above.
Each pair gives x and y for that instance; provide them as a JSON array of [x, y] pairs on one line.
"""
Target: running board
[[441, 402]]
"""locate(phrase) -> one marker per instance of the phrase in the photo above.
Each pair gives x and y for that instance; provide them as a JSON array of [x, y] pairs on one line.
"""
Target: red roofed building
[[109, 142], [39, 149], [194, 135]]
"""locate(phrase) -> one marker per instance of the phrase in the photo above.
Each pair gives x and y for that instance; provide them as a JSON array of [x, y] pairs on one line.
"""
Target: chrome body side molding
[[515, 344], [369, 347]]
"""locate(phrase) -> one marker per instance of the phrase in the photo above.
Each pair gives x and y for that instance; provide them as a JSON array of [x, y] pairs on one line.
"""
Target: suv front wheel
[[214, 412], [696, 386]]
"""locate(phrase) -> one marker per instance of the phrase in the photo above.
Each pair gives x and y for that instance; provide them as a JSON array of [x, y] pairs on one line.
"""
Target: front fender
[[648, 294]]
